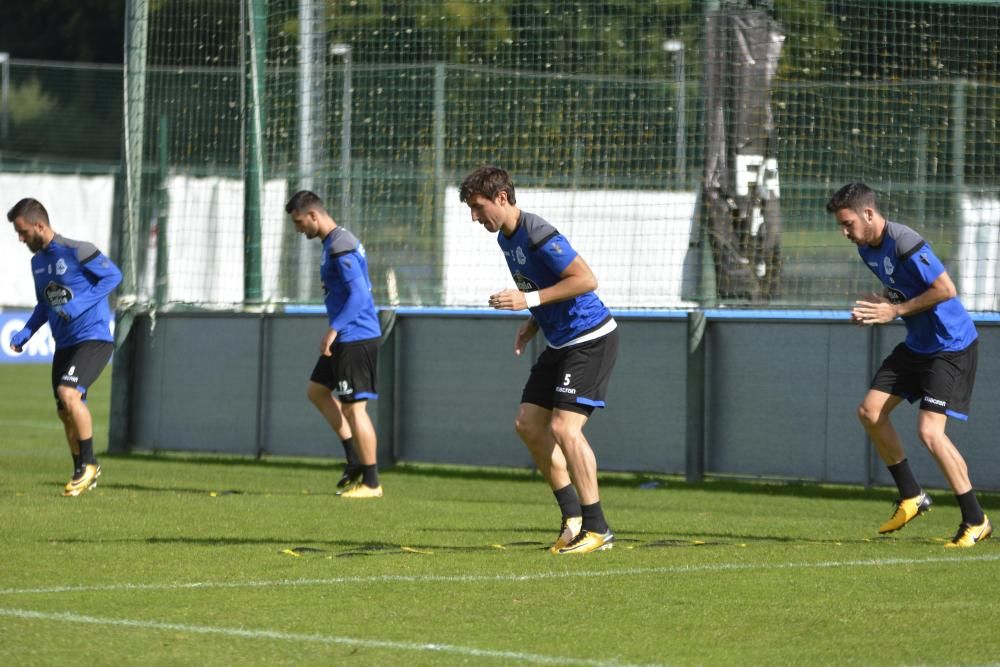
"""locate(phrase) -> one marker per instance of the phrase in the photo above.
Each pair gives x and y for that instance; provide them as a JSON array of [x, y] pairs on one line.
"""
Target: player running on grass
[[72, 283], [349, 350], [570, 377], [935, 365]]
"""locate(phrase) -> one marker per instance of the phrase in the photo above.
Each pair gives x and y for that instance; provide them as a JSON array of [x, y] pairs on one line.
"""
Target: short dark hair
[[489, 182], [304, 200], [29, 209], [853, 196]]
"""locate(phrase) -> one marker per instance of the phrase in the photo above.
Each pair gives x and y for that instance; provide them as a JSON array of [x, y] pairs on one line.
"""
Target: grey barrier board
[[292, 425], [197, 384], [643, 427], [461, 386], [779, 400], [781, 396], [462, 410]]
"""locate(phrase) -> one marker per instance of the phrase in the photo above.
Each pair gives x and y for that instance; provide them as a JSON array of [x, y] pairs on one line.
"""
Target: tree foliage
[[75, 30]]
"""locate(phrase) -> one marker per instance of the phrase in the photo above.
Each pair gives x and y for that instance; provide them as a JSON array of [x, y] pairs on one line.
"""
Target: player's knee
[[67, 398], [566, 434], [931, 436], [317, 393], [521, 426], [868, 416], [353, 410], [527, 429]]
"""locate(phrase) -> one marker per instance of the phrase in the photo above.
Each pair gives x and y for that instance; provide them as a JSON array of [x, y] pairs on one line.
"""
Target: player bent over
[[72, 283], [348, 360], [571, 376], [936, 364]]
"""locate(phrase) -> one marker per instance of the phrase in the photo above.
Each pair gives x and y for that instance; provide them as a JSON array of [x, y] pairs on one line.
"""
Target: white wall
[[635, 241], [80, 207], [978, 254], [205, 239]]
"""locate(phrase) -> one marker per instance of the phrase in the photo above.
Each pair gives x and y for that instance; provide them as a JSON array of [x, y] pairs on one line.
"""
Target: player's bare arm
[[575, 280], [324, 346], [524, 334], [879, 310]]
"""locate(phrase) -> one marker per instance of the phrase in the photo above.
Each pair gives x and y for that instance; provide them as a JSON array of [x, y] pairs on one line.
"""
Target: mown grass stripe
[[479, 578], [296, 637]]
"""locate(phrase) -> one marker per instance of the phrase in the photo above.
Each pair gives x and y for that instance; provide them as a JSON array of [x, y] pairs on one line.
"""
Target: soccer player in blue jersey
[[72, 282], [571, 376], [347, 366], [935, 365]]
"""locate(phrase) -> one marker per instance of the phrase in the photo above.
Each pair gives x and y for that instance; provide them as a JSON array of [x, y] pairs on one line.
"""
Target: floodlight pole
[[344, 52], [309, 81], [676, 47]]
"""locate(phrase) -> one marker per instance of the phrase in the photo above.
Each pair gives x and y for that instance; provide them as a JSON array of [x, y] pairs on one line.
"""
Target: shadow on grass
[[338, 547], [214, 492], [647, 482], [332, 547]]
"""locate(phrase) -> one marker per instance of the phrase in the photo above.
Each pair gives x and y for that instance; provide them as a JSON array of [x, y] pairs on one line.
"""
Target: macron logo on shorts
[[935, 401]]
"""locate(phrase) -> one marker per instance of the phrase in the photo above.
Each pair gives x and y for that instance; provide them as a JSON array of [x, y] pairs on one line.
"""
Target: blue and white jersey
[[72, 282], [344, 272], [536, 255], [907, 266]]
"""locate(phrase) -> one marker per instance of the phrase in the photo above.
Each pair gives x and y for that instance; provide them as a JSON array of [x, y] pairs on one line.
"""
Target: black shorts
[[80, 365], [350, 371], [942, 382], [573, 378]]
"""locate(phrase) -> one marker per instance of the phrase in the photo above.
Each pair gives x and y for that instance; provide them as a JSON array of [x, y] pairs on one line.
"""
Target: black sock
[[569, 502], [76, 462], [349, 453], [905, 481], [972, 513], [87, 451], [371, 475], [593, 518]]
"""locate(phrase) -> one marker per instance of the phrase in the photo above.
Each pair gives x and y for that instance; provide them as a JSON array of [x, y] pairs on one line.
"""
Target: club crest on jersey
[[60, 266], [887, 266], [519, 256], [58, 295], [524, 283]]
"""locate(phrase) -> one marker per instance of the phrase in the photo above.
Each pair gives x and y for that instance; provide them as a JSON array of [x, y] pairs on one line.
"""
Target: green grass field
[[210, 561]]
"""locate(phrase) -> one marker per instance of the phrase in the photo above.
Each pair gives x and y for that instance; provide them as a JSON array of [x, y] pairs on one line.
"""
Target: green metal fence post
[[163, 206], [958, 109], [254, 51], [694, 460], [136, 32], [439, 183]]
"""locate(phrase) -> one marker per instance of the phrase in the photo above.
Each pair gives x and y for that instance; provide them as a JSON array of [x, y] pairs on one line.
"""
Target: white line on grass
[[465, 651], [476, 578]]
